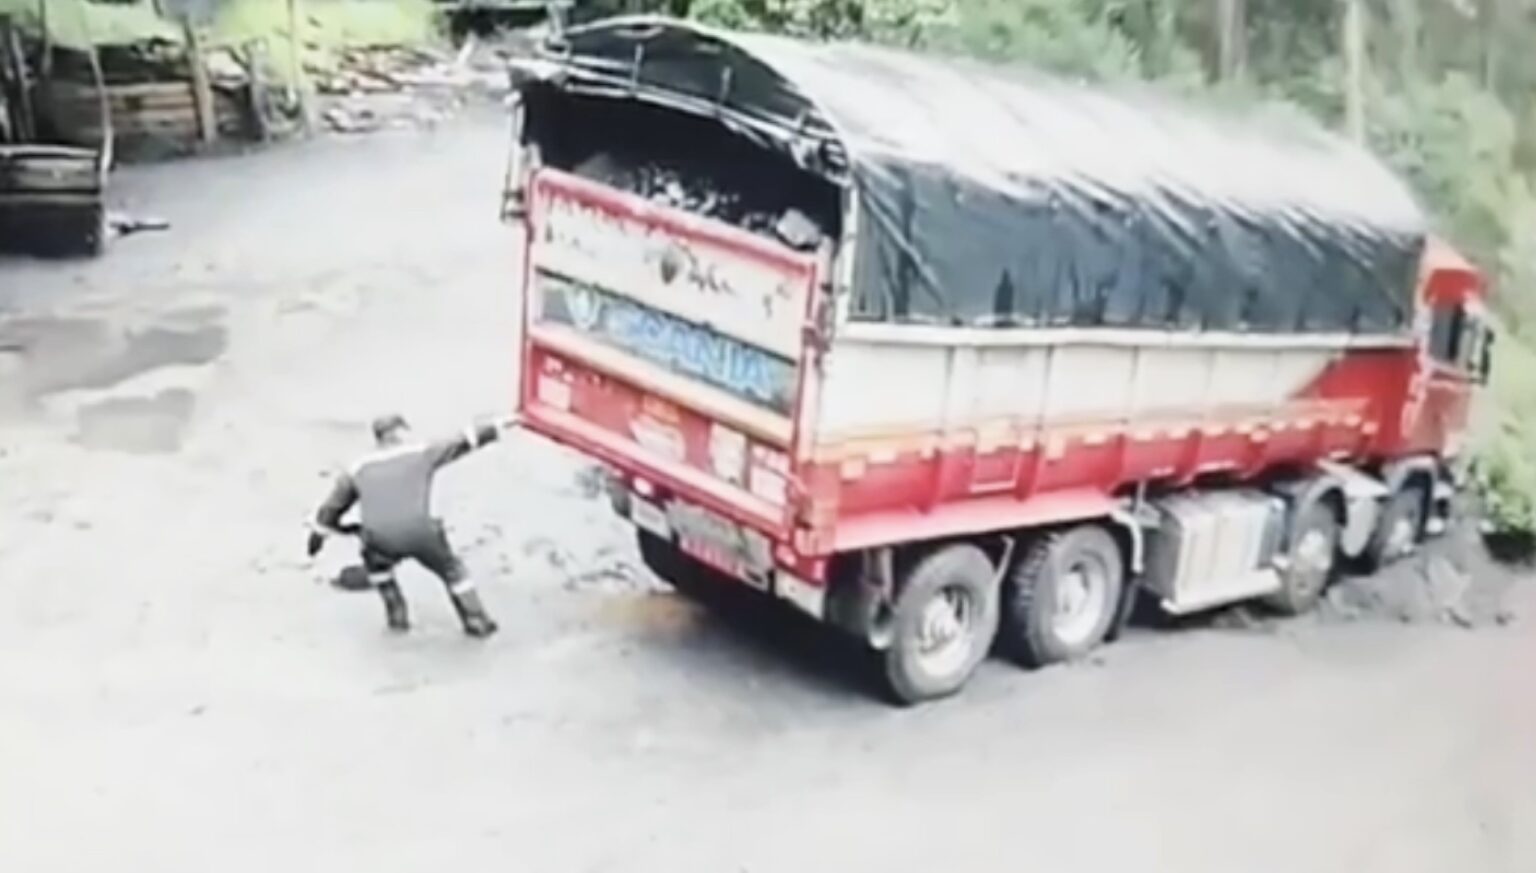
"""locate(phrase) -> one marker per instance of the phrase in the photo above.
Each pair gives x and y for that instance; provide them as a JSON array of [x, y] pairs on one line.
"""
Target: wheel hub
[[1082, 595], [1400, 540], [1312, 559], [944, 631]]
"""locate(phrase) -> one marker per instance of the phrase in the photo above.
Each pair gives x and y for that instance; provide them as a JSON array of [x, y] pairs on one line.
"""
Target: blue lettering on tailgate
[[748, 372]]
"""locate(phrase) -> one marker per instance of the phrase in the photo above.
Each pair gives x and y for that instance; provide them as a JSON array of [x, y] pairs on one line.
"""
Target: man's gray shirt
[[392, 490]]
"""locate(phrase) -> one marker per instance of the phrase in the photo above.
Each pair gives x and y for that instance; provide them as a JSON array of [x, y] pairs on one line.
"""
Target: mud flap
[[860, 602]]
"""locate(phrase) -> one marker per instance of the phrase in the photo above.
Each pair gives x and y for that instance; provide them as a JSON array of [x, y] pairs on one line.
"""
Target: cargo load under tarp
[[996, 197]]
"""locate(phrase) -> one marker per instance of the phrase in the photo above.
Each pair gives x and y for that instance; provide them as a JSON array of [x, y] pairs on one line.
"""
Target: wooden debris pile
[[386, 69], [371, 87]]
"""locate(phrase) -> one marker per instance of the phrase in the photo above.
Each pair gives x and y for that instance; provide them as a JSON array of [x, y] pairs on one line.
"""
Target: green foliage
[[1456, 143], [893, 21], [1506, 445], [79, 23], [1073, 38], [324, 27]]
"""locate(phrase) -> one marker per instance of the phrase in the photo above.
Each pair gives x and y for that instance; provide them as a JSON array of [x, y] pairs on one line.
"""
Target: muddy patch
[[653, 614], [48, 355], [609, 570], [1453, 580], [138, 425]]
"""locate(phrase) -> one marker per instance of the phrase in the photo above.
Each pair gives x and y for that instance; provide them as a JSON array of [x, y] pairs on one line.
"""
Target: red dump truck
[[946, 355]]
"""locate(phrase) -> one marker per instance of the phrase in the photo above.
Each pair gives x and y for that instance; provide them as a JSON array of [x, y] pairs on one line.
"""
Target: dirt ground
[[179, 693]]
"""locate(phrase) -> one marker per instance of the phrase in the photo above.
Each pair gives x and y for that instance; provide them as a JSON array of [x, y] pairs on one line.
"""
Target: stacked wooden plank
[[160, 115]]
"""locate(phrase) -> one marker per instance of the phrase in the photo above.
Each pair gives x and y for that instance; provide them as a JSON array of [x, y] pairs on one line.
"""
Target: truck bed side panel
[[1004, 436]]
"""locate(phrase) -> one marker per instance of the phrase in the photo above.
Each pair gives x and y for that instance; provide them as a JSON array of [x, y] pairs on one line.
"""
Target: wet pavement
[[179, 690]]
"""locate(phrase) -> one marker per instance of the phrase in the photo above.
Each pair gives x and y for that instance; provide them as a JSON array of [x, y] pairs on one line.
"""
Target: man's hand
[[315, 544]]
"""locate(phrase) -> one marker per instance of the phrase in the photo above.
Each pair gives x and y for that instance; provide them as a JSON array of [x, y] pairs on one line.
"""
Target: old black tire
[[943, 625], [1400, 529], [1061, 599], [1311, 561]]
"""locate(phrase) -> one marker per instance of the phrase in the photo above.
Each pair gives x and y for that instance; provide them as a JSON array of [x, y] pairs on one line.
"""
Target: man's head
[[389, 430]]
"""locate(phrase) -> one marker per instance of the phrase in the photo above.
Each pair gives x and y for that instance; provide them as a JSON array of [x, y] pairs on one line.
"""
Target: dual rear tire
[[1064, 596], [940, 628], [943, 624], [1058, 603]]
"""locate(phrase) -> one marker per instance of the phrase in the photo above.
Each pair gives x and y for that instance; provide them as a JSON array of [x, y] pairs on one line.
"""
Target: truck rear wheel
[[1062, 598], [944, 622], [1400, 529], [1310, 564]]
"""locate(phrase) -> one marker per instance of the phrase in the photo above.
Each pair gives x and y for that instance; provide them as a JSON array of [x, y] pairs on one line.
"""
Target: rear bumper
[[674, 477], [651, 493], [768, 577]]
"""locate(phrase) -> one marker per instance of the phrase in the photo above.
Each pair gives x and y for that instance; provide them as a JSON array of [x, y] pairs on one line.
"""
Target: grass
[[324, 26], [78, 23], [1506, 439]]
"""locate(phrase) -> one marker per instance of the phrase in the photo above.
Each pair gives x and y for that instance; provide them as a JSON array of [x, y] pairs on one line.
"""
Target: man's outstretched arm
[[474, 437]]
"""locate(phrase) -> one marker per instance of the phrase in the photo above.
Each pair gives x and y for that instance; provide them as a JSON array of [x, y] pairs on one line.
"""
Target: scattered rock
[[371, 88], [384, 68], [343, 120], [1243, 617]]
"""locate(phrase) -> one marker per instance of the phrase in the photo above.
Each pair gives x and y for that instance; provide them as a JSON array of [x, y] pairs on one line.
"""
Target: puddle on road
[[55, 354], [44, 356], [140, 425]]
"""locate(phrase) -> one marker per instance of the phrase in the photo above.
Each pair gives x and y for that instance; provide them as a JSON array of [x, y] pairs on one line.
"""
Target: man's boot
[[394, 607], [466, 601]]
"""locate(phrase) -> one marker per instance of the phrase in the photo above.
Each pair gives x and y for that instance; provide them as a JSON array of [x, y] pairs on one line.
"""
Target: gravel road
[[178, 692]]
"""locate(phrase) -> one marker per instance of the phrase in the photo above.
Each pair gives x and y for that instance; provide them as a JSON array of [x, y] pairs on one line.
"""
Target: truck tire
[[1061, 600], [1400, 529], [943, 625], [1310, 563]]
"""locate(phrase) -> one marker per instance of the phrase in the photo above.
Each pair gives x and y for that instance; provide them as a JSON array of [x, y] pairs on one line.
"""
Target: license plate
[[718, 542], [647, 515]]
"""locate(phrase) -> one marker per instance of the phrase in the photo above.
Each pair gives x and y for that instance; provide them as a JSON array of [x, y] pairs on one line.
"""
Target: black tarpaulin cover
[[995, 196]]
